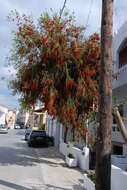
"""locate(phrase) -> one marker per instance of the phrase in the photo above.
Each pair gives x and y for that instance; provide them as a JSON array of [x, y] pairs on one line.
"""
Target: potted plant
[[71, 160]]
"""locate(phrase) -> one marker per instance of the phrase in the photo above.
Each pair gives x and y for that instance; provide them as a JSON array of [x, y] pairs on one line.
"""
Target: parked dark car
[[27, 133], [39, 138]]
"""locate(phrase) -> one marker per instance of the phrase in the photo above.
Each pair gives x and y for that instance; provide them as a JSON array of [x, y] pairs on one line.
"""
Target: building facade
[[119, 85], [10, 119], [3, 112]]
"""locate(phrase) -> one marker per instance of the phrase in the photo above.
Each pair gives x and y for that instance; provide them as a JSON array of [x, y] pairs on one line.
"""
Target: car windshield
[[38, 133]]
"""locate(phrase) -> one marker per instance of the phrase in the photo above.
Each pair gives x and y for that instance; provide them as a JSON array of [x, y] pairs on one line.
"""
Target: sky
[[86, 12]]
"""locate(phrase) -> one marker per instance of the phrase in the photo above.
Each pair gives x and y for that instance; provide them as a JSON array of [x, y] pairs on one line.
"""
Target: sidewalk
[[56, 175]]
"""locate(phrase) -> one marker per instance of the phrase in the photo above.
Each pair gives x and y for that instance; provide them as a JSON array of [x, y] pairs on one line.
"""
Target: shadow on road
[[13, 185], [75, 187], [20, 132], [56, 188], [18, 155]]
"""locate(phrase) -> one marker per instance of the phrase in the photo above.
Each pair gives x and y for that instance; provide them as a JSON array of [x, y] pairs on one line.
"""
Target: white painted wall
[[3, 112], [2, 118], [118, 179], [83, 160]]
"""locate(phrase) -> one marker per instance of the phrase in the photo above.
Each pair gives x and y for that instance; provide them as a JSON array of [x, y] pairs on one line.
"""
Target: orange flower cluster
[[65, 66]]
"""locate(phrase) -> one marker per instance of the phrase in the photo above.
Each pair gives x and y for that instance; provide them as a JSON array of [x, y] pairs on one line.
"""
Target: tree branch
[[120, 123]]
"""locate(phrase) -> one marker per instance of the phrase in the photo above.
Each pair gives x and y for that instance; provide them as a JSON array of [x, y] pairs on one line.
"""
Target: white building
[[119, 84], [3, 112]]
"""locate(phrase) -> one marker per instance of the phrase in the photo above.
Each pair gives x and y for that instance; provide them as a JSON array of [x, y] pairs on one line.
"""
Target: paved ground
[[56, 174], [23, 168]]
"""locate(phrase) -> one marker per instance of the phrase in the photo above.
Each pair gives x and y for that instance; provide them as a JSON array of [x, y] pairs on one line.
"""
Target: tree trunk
[[120, 123], [73, 133], [103, 148], [65, 134]]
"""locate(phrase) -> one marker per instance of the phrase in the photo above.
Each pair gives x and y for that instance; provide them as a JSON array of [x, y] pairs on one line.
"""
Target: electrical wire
[[89, 13], [64, 5]]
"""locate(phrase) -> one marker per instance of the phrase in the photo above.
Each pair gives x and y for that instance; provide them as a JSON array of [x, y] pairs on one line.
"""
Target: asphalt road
[[19, 164]]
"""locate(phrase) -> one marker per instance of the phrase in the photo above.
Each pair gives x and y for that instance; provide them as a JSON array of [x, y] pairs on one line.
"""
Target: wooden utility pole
[[103, 149]]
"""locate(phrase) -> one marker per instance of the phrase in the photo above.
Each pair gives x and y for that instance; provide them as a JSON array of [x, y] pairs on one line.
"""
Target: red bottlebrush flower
[[97, 37], [34, 85], [61, 62], [52, 99], [90, 140], [69, 84], [71, 111], [85, 130], [76, 54], [30, 32], [79, 91], [48, 82], [78, 94], [45, 91], [44, 40]]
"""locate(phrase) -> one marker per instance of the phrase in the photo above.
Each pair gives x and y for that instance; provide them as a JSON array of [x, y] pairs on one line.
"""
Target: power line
[[64, 5], [90, 10]]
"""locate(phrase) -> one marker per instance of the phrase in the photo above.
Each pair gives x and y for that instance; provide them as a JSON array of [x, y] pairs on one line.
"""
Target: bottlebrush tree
[[57, 65]]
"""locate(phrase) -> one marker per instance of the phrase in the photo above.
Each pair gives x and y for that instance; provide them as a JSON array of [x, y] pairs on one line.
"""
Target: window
[[123, 56], [118, 150]]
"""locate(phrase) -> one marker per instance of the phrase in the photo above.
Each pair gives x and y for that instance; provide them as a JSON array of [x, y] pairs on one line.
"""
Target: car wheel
[[29, 144], [50, 143]]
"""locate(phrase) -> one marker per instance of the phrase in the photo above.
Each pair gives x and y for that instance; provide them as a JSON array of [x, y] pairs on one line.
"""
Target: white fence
[[82, 156]]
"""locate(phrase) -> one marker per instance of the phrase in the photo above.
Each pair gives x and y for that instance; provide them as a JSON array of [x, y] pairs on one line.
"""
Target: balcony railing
[[120, 77]]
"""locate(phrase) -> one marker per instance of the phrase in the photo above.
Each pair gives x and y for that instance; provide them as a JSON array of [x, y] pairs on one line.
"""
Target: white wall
[[83, 160], [3, 112], [118, 179], [2, 118]]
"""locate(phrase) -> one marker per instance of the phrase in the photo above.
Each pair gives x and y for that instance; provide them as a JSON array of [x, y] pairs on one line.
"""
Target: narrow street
[[24, 168], [19, 166]]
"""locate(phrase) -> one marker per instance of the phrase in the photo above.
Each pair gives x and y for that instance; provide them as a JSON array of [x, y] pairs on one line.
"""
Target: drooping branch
[[120, 123]]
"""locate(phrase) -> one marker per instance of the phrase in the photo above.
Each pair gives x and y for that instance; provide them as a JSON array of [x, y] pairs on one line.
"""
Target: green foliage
[[92, 177]]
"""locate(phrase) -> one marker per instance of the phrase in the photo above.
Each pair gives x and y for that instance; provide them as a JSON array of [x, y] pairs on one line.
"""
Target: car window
[[38, 133]]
